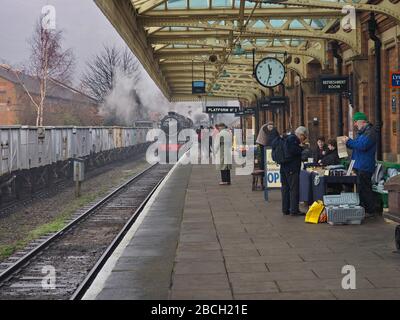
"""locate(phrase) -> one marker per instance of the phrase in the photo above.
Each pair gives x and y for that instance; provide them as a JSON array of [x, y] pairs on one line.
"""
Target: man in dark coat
[[364, 155], [290, 172]]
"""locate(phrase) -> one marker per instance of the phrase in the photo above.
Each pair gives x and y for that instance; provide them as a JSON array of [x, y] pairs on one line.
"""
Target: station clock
[[270, 72]]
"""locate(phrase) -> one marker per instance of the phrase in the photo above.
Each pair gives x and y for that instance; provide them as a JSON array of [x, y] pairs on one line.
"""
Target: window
[[3, 97]]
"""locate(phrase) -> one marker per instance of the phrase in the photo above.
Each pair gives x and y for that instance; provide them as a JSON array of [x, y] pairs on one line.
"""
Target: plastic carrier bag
[[314, 213]]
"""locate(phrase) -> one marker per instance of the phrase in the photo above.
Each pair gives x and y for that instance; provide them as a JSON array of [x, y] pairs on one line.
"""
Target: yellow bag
[[314, 212]]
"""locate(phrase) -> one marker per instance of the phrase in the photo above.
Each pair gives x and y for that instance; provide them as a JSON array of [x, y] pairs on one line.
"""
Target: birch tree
[[48, 60]]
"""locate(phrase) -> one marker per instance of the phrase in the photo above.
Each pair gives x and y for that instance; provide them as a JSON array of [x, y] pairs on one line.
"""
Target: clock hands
[[270, 73]]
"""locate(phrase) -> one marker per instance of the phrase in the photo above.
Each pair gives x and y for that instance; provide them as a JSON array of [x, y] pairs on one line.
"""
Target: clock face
[[270, 72]]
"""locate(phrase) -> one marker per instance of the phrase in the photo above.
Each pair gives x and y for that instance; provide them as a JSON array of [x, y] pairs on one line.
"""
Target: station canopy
[[179, 41]]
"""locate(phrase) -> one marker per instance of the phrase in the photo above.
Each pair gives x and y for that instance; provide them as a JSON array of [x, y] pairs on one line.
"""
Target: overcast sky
[[85, 28]]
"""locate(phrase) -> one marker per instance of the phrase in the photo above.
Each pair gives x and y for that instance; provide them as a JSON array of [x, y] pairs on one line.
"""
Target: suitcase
[[344, 209]]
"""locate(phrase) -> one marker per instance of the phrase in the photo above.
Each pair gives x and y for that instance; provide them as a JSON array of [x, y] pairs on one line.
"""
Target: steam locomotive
[[181, 123]]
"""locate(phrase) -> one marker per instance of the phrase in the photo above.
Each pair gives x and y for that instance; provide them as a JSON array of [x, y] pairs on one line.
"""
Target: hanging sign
[[333, 84], [217, 109], [198, 87], [273, 103], [395, 79], [249, 111]]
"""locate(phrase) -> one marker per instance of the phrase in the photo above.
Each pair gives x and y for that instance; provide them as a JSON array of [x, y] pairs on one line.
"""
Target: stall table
[[310, 192], [321, 189]]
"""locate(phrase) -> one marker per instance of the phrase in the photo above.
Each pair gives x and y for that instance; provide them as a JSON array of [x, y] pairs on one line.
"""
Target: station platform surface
[[199, 240]]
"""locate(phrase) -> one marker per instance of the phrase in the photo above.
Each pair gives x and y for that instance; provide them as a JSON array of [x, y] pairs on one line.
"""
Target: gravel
[[18, 227]]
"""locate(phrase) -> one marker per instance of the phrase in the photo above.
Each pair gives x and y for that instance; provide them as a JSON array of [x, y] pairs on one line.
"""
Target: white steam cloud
[[136, 97]]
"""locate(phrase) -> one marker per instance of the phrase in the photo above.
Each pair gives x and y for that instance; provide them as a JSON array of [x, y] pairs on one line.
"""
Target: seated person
[[321, 150], [332, 157]]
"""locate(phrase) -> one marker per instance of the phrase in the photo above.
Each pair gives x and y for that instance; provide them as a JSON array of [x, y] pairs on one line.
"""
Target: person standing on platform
[[364, 155], [267, 135], [290, 171], [225, 168], [265, 139]]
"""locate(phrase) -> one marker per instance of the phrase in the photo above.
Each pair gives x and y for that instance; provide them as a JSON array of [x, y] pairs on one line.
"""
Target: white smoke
[[123, 104], [134, 97]]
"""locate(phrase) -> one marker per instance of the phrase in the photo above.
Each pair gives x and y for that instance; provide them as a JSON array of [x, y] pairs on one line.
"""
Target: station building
[[64, 105]]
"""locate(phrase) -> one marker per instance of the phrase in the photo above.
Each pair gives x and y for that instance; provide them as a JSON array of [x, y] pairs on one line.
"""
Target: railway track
[[63, 266], [45, 192]]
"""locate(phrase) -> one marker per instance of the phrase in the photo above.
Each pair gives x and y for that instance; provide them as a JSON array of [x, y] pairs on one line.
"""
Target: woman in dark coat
[[332, 157], [321, 150]]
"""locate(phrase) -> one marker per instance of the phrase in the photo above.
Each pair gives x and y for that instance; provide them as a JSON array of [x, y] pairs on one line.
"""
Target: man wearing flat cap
[[364, 155]]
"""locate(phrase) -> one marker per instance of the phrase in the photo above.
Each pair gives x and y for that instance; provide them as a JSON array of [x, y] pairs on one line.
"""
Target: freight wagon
[[32, 158]]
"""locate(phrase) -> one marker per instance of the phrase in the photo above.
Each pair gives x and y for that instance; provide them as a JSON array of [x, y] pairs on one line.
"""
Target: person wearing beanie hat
[[360, 116], [364, 155]]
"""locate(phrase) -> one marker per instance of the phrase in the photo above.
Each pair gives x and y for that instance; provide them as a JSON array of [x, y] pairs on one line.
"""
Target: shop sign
[[395, 79], [333, 84], [273, 177]]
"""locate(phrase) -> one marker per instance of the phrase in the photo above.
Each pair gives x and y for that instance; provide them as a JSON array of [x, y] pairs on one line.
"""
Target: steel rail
[[82, 289], [4, 276]]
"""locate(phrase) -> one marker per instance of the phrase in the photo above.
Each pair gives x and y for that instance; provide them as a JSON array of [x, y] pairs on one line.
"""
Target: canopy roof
[[174, 39]]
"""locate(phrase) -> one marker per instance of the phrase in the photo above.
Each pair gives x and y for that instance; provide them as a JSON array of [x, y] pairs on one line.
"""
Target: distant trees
[[112, 77], [48, 60], [101, 72]]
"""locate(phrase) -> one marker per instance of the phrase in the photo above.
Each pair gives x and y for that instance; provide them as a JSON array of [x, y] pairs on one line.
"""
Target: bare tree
[[47, 61], [99, 78]]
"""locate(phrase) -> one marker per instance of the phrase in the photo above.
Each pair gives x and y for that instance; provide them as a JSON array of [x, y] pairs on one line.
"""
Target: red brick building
[[64, 105]]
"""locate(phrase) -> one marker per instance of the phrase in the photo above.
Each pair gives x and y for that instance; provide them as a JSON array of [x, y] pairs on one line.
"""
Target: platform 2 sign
[[333, 84], [395, 79], [216, 109], [273, 172]]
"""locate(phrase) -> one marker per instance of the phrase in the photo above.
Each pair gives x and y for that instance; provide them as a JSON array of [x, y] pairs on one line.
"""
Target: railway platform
[[199, 240]]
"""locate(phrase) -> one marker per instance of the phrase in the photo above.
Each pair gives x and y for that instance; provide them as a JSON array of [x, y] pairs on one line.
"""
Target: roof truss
[[169, 37]]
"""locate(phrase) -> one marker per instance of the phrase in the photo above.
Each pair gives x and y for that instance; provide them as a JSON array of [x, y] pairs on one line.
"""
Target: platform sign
[[273, 172], [198, 87], [395, 79], [333, 84], [239, 114], [217, 109], [273, 103], [249, 111]]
